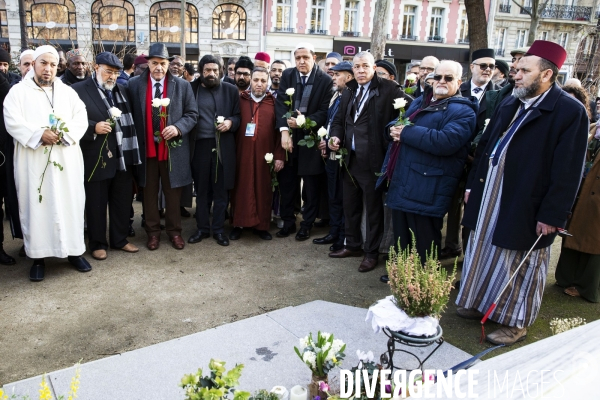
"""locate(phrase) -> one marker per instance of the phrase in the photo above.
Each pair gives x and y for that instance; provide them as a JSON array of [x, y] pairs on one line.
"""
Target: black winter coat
[[544, 162]]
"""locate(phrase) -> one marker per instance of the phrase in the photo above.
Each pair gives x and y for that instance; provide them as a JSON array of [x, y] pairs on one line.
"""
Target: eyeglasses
[[446, 78], [484, 66], [430, 69], [383, 74], [244, 74], [110, 71]]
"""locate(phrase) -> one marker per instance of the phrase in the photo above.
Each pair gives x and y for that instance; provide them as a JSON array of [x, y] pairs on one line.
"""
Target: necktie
[[304, 80], [357, 101], [502, 143], [109, 97], [477, 90], [156, 111]]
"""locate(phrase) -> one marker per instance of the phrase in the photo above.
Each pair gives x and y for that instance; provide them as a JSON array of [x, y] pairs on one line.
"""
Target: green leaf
[[312, 123], [310, 143], [287, 115], [40, 198], [302, 142], [66, 130], [379, 173], [241, 395]]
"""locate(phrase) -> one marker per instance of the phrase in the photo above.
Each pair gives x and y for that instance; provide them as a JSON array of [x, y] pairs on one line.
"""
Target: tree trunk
[[478, 38], [378, 37]]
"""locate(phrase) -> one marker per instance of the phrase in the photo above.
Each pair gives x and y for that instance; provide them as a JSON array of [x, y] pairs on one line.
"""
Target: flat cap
[[107, 58]]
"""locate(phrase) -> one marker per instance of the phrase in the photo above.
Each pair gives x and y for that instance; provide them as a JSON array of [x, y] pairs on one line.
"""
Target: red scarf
[[151, 146]]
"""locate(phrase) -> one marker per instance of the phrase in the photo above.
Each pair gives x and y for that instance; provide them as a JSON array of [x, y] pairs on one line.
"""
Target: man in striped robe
[[522, 186]]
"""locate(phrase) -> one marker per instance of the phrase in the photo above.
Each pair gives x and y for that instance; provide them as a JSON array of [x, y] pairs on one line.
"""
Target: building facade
[[570, 23]]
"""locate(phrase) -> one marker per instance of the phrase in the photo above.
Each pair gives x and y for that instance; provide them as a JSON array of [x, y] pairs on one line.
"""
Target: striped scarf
[[127, 144]]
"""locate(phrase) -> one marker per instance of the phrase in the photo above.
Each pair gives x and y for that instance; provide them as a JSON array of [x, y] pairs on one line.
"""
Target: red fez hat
[[262, 56], [550, 51]]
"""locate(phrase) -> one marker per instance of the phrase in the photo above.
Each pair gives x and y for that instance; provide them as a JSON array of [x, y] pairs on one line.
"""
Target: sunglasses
[[447, 78], [484, 66]]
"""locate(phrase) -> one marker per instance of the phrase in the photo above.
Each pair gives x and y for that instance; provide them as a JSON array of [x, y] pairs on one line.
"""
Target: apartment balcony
[[318, 31], [524, 10], [499, 52], [350, 34], [437, 39], [570, 13], [463, 41], [408, 37], [282, 29], [504, 8]]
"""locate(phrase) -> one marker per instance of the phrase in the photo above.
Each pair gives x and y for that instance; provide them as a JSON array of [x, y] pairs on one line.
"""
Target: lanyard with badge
[[251, 126]]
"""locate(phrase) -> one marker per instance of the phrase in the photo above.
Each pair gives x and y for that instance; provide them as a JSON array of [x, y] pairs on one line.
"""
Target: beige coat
[[585, 221]]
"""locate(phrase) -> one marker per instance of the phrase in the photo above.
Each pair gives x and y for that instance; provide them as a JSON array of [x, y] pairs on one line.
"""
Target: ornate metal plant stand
[[387, 358]]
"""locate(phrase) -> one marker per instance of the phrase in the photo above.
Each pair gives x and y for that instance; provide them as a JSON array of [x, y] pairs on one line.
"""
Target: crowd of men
[[343, 144]]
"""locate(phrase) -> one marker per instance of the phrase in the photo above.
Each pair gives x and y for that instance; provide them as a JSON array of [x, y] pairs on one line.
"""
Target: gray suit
[[183, 113]]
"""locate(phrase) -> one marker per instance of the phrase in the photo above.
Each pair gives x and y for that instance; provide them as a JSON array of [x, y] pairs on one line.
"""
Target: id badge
[[250, 127]]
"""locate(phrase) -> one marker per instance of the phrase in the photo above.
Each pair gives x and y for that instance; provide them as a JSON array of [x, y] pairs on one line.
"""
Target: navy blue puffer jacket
[[432, 156]]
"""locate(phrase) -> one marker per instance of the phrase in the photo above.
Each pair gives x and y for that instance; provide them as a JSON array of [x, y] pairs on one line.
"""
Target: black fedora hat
[[158, 50]]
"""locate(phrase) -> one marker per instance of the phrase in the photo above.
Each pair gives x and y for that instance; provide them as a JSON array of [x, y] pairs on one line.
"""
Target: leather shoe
[[303, 234], [336, 246], [368, 264], [221, 239], [36, 273], [99, 254], [177, 242], [384, 278], [285, 232], [80, 263], [131, 232], [264, 235], [469, 313], [507, 335], [345, 252], [184, 213], [236, 233], [447, 252], [5, 259], [198, 236], [153, 242], [329, 239], [322, 223], [130, 248]]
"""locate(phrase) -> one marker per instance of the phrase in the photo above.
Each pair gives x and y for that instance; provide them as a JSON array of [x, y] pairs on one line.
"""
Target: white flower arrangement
[[322, 355], [560, 325]]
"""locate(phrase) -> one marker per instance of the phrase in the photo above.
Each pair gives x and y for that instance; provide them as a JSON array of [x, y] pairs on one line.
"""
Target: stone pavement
[[264, 344]]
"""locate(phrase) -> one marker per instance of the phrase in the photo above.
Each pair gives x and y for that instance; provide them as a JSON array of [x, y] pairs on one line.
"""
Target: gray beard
[[527, 92], [43, 82], [108, 86]]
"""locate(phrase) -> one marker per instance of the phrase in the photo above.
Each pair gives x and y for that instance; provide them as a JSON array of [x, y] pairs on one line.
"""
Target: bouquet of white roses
[[321, 355]]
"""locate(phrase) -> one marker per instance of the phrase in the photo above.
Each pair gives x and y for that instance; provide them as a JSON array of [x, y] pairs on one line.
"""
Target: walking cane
[[495, 303]]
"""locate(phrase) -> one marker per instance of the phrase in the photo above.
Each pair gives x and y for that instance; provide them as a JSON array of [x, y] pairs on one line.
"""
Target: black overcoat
[[465, 91], [380, 109], [544, 162], [309, 159]]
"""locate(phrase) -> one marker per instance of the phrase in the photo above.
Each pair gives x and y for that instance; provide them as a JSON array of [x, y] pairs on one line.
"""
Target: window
[[165, 21], [435, 27], [113, 20], [3, 20], [463, 36], [317, 17], [522, 35], [500, 39], [284, 16], [229, 22], [408, 22], [563, 38], [351, 16], [543, 35], [51, 20], [504, 6]]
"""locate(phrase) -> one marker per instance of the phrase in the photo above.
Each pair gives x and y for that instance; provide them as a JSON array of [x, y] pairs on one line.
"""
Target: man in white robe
[[51, 212]]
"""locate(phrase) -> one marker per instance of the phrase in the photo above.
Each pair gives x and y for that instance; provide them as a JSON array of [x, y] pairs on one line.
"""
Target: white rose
[[269, 159], [322, 132], [156, 103], [220, 119], [165, 102], [300, 120], [290, 92], [411, 77], [115, 112], [399, 103]]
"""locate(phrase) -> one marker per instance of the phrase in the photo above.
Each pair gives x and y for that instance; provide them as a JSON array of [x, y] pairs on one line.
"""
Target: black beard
[[275, 81], [242, 84], [210, 82]]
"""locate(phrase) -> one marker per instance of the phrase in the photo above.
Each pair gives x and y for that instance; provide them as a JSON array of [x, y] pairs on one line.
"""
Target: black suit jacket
[[90, 145], [309, 161], [543, 167], [465, 91], [380, 112]]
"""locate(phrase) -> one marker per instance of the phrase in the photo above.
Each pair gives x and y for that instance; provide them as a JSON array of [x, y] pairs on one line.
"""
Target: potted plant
[[218, 385]]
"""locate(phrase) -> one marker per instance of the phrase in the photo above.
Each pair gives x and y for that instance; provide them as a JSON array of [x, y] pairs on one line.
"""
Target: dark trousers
[[204, 168], [427, 230], [453, 227], [158, 172], [116, 193], [355, 193], [336, 199], [288, 185]]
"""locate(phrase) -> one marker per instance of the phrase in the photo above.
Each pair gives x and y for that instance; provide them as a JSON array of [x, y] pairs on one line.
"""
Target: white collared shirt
[[162, 85], [479, 95], [359, 106]]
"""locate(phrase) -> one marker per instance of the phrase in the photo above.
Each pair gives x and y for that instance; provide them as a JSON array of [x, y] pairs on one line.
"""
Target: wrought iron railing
[[287, 30], [573, 13], [350, 33], [318, 31], [408, 37], [438, 39], [463, 41], [504, 8]]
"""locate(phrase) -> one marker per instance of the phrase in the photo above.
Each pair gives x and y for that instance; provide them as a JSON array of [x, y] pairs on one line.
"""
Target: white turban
[[305, 45], [45, 49], [25, 53]]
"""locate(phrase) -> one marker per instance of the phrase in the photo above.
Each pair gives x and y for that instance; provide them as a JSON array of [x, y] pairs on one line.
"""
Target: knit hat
[[502, 66], [335, 55], [25, 52], [244, 62], [45, 49], [4, 56], [388, 66]]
